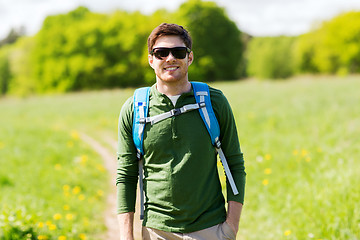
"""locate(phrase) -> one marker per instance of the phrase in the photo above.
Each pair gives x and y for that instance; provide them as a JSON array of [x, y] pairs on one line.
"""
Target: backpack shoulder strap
[[202, 94], [141, 108]]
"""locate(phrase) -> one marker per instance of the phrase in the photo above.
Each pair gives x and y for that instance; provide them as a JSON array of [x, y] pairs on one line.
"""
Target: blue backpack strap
[[202, 94], [141, 108]]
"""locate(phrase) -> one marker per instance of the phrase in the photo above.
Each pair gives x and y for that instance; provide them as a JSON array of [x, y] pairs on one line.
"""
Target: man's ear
[[190, 58], [151, 60]]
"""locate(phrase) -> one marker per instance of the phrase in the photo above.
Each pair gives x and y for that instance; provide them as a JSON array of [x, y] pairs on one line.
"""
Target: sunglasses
[[177, 52]]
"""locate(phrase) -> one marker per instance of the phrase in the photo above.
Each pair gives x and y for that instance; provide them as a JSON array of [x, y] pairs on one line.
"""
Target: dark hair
[[168, 29]]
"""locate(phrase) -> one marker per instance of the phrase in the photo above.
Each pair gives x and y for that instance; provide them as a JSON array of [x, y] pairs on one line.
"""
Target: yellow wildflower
[[82, 236], [62, 238], [52, 227], [48, 223], [100, 168], [265, 182], [86, 221], [66, 188], [304, 153], [287, 232], [83, 159], [40, 224], [66, 207], [267, 171], [57, 216], [76, 190], [81, 197], [267, 156], [100, 193], [75, 135], [42, 237], [57, 166], [69, 216]]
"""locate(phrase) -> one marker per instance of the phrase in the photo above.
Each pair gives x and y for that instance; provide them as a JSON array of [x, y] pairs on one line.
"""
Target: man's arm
[[233, 215], [127, 172], [126, 223]]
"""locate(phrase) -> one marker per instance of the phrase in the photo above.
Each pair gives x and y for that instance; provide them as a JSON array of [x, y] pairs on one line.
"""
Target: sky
[[256, 17]]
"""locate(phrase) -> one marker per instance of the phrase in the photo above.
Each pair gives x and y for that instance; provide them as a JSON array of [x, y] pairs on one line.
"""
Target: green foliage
[[217, 43], [332, 48], [5, 72], [17, 225], [67, 52], [270, 57], [84, 50], [304, 52], [22, 81]]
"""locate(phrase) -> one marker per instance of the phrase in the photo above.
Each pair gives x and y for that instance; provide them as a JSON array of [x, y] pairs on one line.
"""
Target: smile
[[171, 68]]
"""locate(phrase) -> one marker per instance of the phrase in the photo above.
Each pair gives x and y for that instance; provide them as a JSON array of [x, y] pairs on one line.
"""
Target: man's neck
[[173, 88]]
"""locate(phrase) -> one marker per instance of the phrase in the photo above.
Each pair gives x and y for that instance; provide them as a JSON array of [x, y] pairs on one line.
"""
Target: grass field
[[300, 140]]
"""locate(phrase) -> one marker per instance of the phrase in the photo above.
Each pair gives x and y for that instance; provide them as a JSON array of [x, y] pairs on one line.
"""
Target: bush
[[271, 57], [333, 47], [5, 72]]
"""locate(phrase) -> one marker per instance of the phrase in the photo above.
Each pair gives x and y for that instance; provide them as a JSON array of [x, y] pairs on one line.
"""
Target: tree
[[271, 57], [332, 48], [13, 35], [5, 73], [66, 52], [85, 50], [217, 43]]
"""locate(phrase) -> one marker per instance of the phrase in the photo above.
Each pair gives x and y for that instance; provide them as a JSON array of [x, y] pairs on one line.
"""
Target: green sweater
[[181, 182]]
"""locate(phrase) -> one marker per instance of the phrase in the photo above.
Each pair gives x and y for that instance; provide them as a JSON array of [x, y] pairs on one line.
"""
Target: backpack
[[203, 105]]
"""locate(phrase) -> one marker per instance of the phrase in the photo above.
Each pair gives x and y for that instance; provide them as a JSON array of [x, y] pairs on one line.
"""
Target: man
[[181, 184]]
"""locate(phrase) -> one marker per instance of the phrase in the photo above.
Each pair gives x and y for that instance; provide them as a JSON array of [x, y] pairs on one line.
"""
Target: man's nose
[[170, 57]]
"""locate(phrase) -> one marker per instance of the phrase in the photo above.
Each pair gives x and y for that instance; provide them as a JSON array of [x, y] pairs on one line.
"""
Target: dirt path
[[109, 159]]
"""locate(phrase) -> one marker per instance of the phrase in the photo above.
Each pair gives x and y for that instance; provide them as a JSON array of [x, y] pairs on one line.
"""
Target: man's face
[[170, 68]]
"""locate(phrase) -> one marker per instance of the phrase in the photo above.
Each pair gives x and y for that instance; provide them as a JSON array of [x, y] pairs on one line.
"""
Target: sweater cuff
[[240, 184], [126, 197]]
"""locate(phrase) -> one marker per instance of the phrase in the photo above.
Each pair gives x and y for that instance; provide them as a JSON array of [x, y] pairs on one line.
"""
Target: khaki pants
[[221, 231]]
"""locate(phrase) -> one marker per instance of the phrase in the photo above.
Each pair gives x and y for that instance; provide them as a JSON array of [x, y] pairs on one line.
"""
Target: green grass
[[300, 140], [51, 183]]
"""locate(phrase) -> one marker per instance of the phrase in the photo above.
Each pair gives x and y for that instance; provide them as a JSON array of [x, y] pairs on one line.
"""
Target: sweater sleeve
[[230, 146], [127, 163]]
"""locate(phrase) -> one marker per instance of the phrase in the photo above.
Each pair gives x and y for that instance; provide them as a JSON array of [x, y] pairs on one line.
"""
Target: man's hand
[[126, 223], [233, 215]]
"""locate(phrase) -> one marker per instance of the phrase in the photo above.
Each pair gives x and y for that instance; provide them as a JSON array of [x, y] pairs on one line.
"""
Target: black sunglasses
[[163, 52]]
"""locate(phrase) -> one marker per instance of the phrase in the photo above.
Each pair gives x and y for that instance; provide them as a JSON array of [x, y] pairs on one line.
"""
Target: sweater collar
[[161, 95]]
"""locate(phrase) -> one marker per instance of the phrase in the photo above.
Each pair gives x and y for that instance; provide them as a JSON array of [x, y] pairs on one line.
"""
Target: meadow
[[300, 140]]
